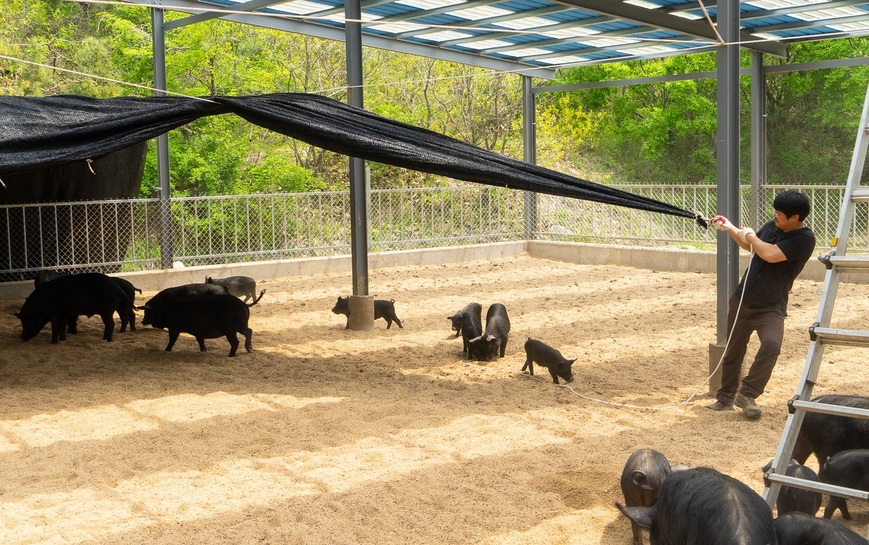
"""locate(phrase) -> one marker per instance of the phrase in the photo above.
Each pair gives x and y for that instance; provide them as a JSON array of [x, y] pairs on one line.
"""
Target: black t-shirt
[[768, 284]]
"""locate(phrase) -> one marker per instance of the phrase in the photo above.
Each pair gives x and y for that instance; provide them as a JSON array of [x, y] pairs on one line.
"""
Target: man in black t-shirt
[[781, 248]]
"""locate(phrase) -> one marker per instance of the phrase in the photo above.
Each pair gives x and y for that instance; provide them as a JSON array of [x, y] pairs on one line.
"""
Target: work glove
[[744, 233], [721, 223]]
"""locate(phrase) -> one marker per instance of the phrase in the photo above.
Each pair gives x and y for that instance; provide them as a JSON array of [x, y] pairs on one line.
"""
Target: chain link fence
[[145, 234]]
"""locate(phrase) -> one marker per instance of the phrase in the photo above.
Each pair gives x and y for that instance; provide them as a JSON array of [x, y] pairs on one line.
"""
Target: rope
[[695, 392]]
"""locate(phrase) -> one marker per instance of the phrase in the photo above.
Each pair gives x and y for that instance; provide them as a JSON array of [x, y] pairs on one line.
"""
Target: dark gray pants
[[769, 325]]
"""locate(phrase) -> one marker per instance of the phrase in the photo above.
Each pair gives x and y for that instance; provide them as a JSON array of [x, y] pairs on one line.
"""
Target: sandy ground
[[324, 435]]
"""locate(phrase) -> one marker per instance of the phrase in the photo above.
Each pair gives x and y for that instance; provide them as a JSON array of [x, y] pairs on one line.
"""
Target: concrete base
[[662, 259], [361, 313], [715, 353]]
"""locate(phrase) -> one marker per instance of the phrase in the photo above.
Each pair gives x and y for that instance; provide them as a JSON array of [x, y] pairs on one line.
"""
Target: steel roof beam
[[252, 5], [621, 10]]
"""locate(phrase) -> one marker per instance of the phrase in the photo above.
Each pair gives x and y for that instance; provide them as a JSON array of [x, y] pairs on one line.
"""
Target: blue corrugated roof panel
[[391, 9], [571, 16], [523, 5], [615, 25]]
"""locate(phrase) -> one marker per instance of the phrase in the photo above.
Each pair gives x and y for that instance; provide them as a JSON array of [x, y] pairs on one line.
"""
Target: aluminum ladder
[[821, 334]]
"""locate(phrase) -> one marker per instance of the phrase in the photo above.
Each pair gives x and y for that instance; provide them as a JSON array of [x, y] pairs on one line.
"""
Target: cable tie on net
[[90, 166]]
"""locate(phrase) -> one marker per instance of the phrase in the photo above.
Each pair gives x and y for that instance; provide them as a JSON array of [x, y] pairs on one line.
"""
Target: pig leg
[[837, 503], [638, 533], [72, 325], [348, 322], [109, 325], [173, 336], [58, 329], [131, 316], [554, 376], [248, 339], [397, 321], [233, 343], [529, 364], [201, 341], [503, 347]]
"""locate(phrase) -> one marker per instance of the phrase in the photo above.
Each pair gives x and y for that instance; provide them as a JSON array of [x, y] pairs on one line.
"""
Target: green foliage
[[652, 133], [277, 174]]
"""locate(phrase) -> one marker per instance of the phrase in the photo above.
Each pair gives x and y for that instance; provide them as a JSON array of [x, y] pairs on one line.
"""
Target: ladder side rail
[[855, 173], [809, 375], [782, 456]]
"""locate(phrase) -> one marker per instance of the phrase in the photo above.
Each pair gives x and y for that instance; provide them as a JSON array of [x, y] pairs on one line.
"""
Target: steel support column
[[358, 200], [728, 155], [158, 60], [758, 140], [529, 152]]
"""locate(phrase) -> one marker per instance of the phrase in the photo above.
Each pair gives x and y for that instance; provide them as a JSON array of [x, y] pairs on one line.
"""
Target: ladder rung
[[845, 337], [816, 486], [828, 408], [860, 194], [846, 263]]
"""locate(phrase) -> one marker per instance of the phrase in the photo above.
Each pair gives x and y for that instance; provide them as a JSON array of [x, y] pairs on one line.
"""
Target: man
[[781, 248]]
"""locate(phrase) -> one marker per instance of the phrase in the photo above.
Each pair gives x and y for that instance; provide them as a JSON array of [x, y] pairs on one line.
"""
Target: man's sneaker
[[721, 406], [748, 406]]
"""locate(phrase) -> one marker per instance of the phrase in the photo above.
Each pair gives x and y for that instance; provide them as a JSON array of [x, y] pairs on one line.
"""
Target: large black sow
[[209, 317], [155, 307]]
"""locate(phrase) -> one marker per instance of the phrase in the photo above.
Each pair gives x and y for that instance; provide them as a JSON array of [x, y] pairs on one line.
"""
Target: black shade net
[[42, 132]]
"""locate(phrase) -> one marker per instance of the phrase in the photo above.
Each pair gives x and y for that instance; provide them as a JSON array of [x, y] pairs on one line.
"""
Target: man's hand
[[721, 223], [744, 233]]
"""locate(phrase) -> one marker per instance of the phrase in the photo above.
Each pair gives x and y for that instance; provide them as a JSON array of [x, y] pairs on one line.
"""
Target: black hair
[[792, 202]]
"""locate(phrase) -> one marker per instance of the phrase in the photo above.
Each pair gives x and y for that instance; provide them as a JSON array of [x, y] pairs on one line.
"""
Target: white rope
[[711, 24], [695, 392]]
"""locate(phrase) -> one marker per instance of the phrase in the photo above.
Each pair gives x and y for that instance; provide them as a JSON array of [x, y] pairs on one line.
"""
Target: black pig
[[701, 506], [456, 319], [240, 286], [208, 317], [641, 480], [493, 342], [826, 434], [382, 309], [848, 468], [801, 529], [797, 499], [155, 307], [545, 356], [126, 314], [66, 297], [468, 323]]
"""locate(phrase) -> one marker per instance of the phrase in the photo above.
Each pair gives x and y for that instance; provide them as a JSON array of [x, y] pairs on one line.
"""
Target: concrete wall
[[592, 254]]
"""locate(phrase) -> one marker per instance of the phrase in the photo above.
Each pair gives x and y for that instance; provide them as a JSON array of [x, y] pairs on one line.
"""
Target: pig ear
[[490, 338], [570, 362], [644, 516], [639, 478]]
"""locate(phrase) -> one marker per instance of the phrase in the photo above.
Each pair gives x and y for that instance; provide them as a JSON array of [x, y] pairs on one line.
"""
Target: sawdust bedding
[[323, 435]]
